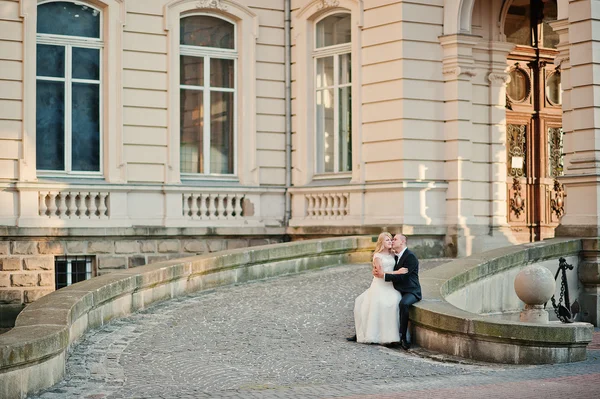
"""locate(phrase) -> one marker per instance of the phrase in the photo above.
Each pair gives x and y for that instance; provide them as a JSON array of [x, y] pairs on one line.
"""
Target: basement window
[[72, 269]]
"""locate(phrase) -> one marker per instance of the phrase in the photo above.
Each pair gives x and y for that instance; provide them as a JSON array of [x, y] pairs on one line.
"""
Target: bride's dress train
[[376, 315]]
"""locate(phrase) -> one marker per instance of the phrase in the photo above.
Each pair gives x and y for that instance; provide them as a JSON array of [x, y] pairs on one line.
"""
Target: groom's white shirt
[[402, 253]]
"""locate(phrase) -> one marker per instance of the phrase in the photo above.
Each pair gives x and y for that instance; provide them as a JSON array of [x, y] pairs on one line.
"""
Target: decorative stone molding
[[456, 71], [325, 4], [499, 79], [214, 4]]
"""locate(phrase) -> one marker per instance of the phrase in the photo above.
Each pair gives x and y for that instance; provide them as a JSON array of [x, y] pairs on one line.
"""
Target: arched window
[[333, 94], [68, 81], [527, 23], [208, 58]]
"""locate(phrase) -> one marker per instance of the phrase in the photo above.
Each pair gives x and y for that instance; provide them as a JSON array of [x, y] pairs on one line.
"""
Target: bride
[[376, 315]]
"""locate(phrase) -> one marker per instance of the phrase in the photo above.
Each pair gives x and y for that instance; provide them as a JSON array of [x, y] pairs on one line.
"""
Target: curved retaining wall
[[33, 353], [442, 327]]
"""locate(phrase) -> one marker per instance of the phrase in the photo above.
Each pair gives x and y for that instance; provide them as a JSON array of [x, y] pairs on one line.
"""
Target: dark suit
[[408, 285]]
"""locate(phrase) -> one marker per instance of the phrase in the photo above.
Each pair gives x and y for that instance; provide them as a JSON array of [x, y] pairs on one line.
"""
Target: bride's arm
[[377, 266]]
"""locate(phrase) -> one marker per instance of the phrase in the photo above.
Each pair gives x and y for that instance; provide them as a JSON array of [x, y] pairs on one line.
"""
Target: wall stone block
[[195, 246], [39, 263], [148, 246], [76, 247], [157, 258], [51, 247], [4, 280], [4, 248], [215, 245], [134, 261], [24, 280], [46, 279], [259, 241], [112, 262], [34, 295], [127, 247], [101, 247], [168, 246], [235, 244], [10, 264], [11, 296], [24, 248]]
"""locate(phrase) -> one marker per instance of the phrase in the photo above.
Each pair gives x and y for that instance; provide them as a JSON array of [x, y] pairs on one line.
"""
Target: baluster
[[79, 205], [92, 208], [52, 204], [228, 202], [315, 201], [43, 207], [345, 198], [219, 206], [203, 206], [239, 206], [335, 208], [71, 205], [61, 205], [185, 205], [102, 206], [328, 205], [194, 209]]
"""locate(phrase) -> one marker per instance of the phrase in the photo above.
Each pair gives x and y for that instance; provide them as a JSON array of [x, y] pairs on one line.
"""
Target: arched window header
[[68, 19], [333, 30]]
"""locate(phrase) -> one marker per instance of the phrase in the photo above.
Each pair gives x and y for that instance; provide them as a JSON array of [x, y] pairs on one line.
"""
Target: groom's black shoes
[[405, 344], [351, 339]]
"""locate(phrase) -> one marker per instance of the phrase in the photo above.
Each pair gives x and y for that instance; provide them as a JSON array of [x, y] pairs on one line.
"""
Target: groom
[[407, 282]]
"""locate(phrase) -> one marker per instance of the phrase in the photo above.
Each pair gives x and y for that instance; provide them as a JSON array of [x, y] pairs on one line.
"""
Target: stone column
[[580, 61], [589, 275], [458, 71]]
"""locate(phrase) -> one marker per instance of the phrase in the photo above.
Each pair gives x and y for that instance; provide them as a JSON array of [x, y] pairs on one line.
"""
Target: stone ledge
[[44, 330], [442, 327]]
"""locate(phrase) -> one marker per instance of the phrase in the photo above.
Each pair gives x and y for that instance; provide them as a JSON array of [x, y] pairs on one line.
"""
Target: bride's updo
[[380, 240]]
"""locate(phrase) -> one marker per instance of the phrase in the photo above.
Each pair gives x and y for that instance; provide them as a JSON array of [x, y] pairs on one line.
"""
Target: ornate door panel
[[533, 122]]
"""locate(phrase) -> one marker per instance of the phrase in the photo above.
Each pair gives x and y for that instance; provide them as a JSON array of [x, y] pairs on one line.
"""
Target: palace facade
[[137, 131]]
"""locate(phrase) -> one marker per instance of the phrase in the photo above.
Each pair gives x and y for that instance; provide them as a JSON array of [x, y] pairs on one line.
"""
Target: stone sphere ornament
[[535, 286]]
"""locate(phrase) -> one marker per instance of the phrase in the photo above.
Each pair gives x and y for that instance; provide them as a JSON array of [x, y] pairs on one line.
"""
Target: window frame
[[208, 53], [335, 51], [69, 259], [68, 42]]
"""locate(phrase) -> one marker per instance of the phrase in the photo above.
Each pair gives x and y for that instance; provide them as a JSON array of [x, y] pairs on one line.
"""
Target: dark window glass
[[68, 19], [335, 29], [60, 272], [518, 87], [86, 127], [50, 61], [221, 73], [50, 125], [550, 38], [221, 132], [553, 88], [191, 70], [205, 31], [192, 131], [86, 63], [78, 271]]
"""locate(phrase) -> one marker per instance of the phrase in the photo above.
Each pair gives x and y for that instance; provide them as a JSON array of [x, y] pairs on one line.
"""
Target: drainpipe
[[288, 110]]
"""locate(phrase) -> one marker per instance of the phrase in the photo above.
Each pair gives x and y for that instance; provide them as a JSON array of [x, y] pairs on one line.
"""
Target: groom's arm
[[411, 264]]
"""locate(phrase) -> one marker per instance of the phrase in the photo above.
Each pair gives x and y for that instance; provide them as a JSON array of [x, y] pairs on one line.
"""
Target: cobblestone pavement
[[285, 338]]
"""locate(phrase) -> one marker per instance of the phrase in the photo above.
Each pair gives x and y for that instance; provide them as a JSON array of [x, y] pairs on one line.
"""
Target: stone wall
[[27, 265]]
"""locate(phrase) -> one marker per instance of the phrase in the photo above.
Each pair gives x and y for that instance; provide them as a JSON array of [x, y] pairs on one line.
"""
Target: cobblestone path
[[285, 338]]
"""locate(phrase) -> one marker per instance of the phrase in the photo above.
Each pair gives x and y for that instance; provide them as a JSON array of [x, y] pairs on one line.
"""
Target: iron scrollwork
[[516, 149], [555, 151], [517, 202]]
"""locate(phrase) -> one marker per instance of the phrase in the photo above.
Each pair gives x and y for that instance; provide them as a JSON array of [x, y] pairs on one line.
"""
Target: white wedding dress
[[376, 315]]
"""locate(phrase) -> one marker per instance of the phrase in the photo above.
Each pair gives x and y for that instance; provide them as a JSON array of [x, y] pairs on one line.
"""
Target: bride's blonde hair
[[380, 240]]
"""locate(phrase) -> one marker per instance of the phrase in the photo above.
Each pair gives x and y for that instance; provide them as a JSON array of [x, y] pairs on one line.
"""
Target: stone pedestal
[[534, 285]]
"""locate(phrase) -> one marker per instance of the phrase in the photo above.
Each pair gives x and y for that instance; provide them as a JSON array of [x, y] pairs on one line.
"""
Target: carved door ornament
[[557, 203], [555, 152], [516, 150], [517, 202]]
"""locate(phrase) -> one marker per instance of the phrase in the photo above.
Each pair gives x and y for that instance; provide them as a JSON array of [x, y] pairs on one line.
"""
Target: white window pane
[[333, 30], [345, 129], [68, 19], [191, 131], [86, 127], [325, 133], [221, 132], [50, 125], [205, 31], [324, 72]]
